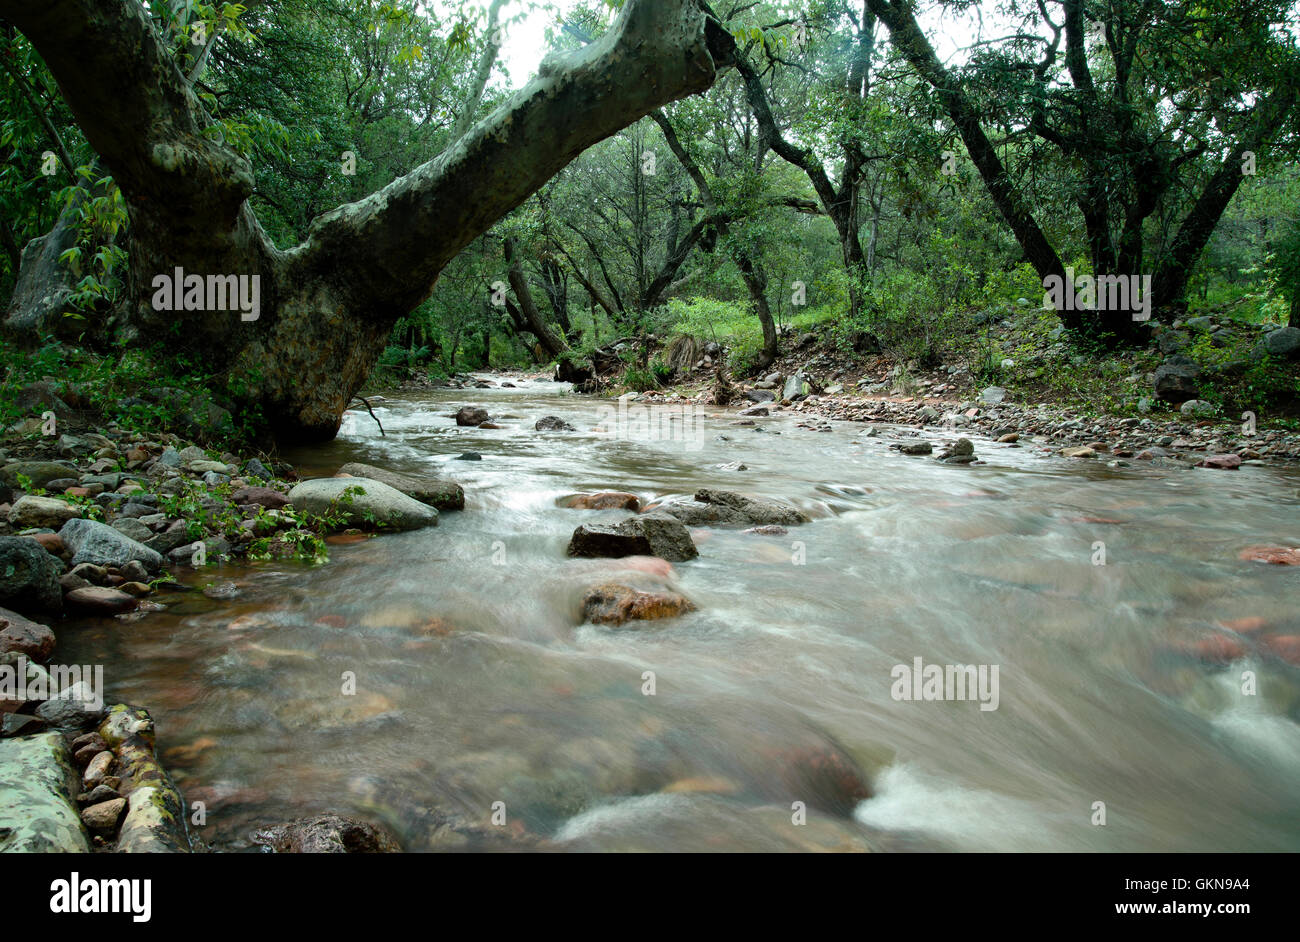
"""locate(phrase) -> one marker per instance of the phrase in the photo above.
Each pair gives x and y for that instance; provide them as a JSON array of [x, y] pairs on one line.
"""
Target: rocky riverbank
[[1161, 440], [109, 524]]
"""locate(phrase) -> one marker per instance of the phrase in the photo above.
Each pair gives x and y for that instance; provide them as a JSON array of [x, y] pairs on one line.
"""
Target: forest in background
[[844, 177]]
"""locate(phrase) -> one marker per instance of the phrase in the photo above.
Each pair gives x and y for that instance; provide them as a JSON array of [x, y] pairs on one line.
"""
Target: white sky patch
[[526, 22], [525, 30], [526, 40]]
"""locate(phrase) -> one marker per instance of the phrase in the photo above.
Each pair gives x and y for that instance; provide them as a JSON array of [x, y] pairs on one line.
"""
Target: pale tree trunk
[[484, 71], [328, 304]]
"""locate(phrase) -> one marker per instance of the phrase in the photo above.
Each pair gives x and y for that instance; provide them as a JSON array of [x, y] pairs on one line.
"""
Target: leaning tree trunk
[[328, 304], [533, 319]]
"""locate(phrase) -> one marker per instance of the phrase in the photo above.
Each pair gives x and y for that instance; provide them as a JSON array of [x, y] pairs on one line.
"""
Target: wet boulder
[[604, 500], [327, 834], [731, 509], [615, 604], [471, 416], [369, 500], [427, 489], [646, 535]]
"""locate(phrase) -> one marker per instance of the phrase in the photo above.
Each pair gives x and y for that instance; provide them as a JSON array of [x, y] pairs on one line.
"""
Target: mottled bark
[[328, 304]]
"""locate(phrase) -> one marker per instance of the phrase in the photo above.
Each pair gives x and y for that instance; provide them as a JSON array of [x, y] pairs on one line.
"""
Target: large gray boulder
[[386, 505], [37, 785], [796, 387], [1284, 342], [40, 472], [29, 576], [646, 535], [433, 491], [1175, 380], [98, 543], [730, 509]]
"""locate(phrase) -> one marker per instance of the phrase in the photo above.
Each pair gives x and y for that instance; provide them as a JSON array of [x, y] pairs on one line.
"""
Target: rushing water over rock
[[475, 682]]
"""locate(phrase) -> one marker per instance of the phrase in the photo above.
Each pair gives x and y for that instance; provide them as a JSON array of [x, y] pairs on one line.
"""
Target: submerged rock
[[1220, 462], [731, 509], [553, 423], [1276, 555], [604, 500], [614, 604], [328, 834]]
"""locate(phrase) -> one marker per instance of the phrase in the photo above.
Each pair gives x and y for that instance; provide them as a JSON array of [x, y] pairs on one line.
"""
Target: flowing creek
[[476, 684]]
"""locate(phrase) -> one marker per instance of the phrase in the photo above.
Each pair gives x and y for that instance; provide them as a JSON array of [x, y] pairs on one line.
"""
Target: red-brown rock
[[1276, 555], [605, 500], [614, 604], [1286, 647], [24, 636]]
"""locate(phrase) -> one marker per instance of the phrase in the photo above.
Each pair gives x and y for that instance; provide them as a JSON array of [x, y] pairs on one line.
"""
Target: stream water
[[476, 684]]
